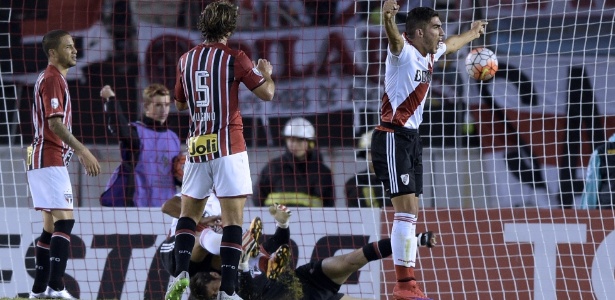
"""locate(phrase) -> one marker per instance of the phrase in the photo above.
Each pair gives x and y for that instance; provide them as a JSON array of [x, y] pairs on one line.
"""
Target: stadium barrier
[[486, 253]]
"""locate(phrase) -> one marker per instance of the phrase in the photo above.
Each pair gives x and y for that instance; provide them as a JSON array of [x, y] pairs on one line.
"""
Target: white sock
[[282, 225], [403, 239], [210, 241]]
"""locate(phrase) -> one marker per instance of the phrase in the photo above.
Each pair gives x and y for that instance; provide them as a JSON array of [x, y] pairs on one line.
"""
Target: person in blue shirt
[[599, 191]]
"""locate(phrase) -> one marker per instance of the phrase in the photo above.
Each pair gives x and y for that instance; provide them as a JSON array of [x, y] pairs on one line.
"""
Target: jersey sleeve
[[53, 97], [180, 96], [441, 50], [246, 72], [402, 57]]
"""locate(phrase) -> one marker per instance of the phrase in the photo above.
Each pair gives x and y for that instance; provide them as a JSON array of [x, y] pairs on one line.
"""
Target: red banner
[[515, 254]]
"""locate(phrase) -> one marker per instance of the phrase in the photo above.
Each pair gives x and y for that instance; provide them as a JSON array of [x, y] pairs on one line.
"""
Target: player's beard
[[68, 62], [71, 62], [434, 45]]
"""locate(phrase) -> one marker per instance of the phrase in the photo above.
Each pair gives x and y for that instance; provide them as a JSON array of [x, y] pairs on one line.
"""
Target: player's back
[[208, 81]]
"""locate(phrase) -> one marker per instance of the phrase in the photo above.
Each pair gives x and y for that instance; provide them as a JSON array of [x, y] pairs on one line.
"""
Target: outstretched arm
[[281, 214], [455, 42], [396, 41], [117, 122]]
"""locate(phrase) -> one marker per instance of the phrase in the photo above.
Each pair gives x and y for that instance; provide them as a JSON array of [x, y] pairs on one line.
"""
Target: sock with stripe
[[184, 242], [41, 276], [230, 252], [403, 244], [59, 248]]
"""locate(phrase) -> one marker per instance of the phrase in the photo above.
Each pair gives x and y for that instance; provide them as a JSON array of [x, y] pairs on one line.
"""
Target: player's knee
[[64, 226]]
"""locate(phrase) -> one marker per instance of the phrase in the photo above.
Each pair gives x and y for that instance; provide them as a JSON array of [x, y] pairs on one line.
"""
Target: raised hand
[[478, 27], [264, 66], [390, 8], [106, 92]]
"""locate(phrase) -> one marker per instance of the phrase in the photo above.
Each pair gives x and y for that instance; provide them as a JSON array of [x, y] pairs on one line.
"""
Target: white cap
[[299, 128]]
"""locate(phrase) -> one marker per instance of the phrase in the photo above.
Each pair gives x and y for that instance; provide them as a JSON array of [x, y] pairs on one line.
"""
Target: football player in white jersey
[[396, 144]]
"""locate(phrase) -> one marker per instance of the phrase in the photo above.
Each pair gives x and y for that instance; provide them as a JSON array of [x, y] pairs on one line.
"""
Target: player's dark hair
[[218, 20], [418, 18], [198, 286], [52, 40], [287, 286], [295, 288]]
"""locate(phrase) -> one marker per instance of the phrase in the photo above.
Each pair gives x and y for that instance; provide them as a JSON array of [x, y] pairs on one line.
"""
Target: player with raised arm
[[396, 144], [208, 79], [47, 161]]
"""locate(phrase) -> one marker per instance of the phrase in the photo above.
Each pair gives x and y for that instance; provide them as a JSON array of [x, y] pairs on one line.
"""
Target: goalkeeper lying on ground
[[204, 269], [319, 280]]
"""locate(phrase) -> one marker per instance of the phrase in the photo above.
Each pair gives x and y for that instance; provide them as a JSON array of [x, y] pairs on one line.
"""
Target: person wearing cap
[[298, 177], [365, 189]]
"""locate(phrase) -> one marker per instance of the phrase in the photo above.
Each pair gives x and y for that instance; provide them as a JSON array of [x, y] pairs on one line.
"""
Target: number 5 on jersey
[[202, 88]]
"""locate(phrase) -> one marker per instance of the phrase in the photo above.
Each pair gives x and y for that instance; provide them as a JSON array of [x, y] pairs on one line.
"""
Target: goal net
[[505, 161]]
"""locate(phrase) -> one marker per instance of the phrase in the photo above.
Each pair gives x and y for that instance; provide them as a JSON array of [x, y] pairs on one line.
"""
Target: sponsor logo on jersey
[[68, 197], [422, 76], [405, 179], [203, 144], [55, 103]]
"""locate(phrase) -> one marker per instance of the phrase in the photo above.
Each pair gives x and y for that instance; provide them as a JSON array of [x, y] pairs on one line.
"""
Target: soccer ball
[[481, 64]]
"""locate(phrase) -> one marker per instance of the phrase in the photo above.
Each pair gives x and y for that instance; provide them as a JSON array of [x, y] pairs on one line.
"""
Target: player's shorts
[[229, 176], [167, 254], [397, 157], [316, 285], [50, 188], [167, 257]]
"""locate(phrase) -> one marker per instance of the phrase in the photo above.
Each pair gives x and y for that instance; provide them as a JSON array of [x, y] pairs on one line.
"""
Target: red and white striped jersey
[[208, 78], [51, 100], [406, 83]]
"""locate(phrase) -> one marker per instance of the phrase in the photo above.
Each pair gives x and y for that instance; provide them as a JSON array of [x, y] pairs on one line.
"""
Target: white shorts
[[51, 188], [229, 176]]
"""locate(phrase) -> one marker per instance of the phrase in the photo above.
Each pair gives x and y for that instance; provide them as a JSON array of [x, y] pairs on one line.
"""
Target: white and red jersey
[[208, 78], [51, 100], [406, 84]]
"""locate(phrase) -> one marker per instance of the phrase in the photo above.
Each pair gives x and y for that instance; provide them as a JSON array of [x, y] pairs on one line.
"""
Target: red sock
[[404, 274]]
